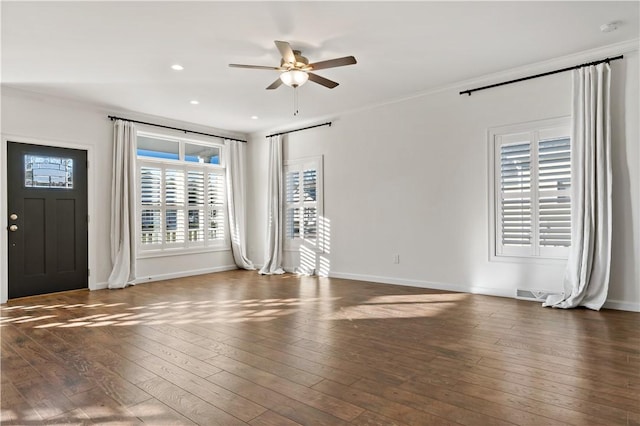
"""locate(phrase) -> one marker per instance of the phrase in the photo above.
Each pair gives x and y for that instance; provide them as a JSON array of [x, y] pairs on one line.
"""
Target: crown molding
[[106, 110]]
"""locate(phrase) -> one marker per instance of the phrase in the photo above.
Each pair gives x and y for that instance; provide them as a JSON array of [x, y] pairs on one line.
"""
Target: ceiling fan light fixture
[[294, 78]]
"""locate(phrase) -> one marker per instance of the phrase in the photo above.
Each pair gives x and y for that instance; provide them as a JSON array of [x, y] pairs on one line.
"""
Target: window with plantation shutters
[[182, 201], [531, 190], [303, 201]]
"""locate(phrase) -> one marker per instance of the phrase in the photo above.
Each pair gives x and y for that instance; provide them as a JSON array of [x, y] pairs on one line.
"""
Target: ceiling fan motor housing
[[301, 62]]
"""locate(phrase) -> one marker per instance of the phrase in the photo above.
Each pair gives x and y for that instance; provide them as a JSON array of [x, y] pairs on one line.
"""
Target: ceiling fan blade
[[321, 80], [332, 63], [275, 84], [286, 51], [254, 67]]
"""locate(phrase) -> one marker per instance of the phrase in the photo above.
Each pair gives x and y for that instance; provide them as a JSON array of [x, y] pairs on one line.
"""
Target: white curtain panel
[[587, 276], [236, 201], [275, 203], [123, 202]]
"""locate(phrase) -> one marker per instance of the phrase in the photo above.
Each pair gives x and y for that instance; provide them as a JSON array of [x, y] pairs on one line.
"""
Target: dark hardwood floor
[[236, 348]]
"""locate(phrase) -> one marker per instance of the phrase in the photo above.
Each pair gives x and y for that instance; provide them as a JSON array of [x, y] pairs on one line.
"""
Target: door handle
[[13, 228]]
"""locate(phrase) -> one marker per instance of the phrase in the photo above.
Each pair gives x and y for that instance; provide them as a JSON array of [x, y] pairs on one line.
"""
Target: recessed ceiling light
[[194, 102], [177, 67], [254, 117]]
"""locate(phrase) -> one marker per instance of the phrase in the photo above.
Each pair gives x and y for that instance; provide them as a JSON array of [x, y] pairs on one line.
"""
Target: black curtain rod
[[297, 130], [111, 117], [607, 60]]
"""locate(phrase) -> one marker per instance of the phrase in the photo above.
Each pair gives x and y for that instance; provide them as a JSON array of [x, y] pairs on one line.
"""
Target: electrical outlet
[[396, 259]]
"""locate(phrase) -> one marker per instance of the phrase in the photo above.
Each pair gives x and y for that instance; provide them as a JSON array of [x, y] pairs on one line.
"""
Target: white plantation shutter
[[532, 200], [174, 206], [310, 211], [554, 183], [216, 206], [195, 200], [292, 197], [151, 186], [515, 190], [150, 200]]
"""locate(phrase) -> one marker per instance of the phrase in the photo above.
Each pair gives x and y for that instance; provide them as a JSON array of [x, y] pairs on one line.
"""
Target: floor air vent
[[535, 295]]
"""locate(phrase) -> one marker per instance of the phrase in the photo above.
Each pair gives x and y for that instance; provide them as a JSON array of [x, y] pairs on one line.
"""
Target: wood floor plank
[[96, 352], [341, 409], [297, 362], [339, 363], [287, 407], [239, 348], [14, 408], [44, 397], [568, 397], [189, 405], [154, 412], [217, 396], [15, 368], [71, 418], [269, 418], [465, 416], [77, 371], [378, 405], [100, 408], [369, 418], [46, 364], [552, 366], [174, 342], [181, 359], [291, 373], [492, 402]]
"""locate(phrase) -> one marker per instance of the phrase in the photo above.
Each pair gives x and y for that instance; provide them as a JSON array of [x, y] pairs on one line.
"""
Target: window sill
[[532, 260], [146, 254]]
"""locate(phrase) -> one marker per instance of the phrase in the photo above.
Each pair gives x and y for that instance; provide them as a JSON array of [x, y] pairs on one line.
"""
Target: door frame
[[4, 220]]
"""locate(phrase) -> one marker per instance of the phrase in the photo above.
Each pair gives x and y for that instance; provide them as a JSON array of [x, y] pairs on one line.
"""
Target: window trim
[[293, 245], [493, 143], [163, 250]]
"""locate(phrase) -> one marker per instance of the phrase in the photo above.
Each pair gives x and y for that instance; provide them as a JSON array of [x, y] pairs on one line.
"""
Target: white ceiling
[[118, 54]]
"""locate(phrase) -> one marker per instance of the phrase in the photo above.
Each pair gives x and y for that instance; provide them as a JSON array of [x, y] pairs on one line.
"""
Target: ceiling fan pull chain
[[295, 101]]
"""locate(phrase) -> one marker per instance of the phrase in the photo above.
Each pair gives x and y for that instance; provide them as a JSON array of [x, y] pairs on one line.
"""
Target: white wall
[[34, 118], [411, 178]]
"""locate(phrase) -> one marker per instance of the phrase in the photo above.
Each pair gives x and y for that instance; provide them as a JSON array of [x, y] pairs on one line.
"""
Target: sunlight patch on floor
[[181, 312], [399, 306]]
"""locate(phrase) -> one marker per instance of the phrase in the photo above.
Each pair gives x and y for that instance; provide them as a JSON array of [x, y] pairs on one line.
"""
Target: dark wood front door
[[47, 202]]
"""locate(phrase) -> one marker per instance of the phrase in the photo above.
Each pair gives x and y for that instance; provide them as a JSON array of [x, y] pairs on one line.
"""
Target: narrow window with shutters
[[303, 206], [532, 181]]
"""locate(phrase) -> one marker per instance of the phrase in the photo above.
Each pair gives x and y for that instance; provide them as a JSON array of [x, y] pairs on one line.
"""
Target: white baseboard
[[99, 286], [161, 277], [424, 284], [182, 274], [487, 291], [620, 305]]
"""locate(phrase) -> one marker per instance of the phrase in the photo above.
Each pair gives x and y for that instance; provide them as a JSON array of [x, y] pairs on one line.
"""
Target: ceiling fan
[[295, 68]]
